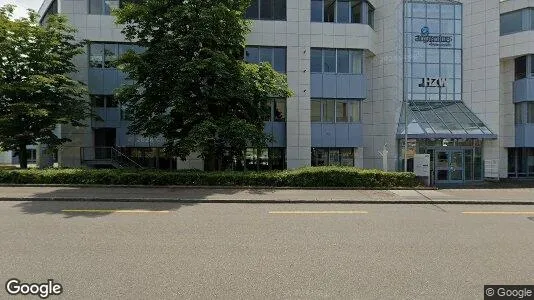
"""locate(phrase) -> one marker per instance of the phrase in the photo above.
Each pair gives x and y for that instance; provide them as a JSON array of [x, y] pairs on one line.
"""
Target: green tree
[[35, 92], [192, 86]]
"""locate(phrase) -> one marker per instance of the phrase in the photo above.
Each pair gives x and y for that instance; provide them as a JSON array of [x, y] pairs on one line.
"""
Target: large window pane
[[343, 61], [266, 55], [252, 55], [329, 62], [347, 156], [343, 10], [328, 110], [316, 111], [266, 9], [432, 11], [520, 67], [280, 59], [317, 10], [280, 110], [355, 114], [95, 7], [279, 9], [518, 113], [329, 10], [511, 22], [253, 10], [342, 111], [447, 11], [110, 5], [98, 101], [530, 117], [371, 17], [356, 61], [110, 55], [96, 55], [316, 60], [356, 11]]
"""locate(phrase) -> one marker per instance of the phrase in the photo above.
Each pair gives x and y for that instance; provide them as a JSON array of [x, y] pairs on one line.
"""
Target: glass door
[[456, 166], [449, 166], [442, 166]]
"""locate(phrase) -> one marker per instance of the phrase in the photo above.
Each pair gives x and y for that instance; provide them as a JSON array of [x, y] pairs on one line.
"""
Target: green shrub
[[304, 177]]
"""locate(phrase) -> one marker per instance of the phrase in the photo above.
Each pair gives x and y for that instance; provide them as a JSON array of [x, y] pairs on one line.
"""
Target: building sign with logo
[[434, 40], [433, 82]]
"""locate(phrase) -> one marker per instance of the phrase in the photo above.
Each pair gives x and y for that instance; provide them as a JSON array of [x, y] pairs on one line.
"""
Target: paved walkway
[[490, 196]]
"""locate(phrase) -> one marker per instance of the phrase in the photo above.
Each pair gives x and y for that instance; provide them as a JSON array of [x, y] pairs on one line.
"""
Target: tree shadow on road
[[96, 209]]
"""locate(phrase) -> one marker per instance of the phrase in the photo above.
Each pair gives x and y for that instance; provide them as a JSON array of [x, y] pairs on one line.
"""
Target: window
[[336, 61], [276, 56], [278, 111], [103, 7], [265, 159], [96, 55], [266, 10], [329, 10], [332, 156], [103, 101], [329, 61], [316, 10], [105, 55], [518, 113], [339, 111], [371, 16], [356, 11], [341, 11], [530, 112], [512, 22], [520, 67]]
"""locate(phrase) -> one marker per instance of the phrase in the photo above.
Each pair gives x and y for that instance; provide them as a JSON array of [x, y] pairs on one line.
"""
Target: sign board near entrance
[[421, 165]]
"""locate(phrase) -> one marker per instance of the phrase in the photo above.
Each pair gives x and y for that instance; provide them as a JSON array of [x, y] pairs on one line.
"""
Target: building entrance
[[448, 166]]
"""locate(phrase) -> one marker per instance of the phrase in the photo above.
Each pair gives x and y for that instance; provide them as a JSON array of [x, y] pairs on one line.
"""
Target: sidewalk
[[230, 195]]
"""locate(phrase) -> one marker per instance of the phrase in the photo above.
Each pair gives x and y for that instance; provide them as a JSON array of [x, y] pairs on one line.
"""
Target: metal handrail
[[107, 154]]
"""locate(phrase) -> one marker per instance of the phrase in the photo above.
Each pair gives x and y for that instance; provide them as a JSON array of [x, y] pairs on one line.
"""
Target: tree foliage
[[192, 86], [36, 93]]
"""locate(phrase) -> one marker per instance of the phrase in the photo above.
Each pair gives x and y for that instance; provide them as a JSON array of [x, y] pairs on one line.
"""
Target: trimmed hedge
[[304, 177]]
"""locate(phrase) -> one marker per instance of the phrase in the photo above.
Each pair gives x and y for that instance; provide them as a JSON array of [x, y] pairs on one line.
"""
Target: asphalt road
[[257, 251]]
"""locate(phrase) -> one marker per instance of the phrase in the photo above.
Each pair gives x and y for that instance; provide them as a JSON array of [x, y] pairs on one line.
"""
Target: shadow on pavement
[[502, 184], [94, 209]]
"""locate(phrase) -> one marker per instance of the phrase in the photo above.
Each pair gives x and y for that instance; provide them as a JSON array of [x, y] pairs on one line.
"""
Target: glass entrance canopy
[[450, 119]]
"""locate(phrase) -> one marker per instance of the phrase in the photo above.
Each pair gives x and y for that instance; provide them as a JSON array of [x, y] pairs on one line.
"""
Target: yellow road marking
[[112, 211], [348, 212], [498, 212]]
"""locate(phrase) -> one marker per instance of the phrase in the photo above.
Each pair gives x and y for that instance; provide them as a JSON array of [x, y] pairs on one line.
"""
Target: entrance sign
[[491, 168], [422, 165], [433, 82]]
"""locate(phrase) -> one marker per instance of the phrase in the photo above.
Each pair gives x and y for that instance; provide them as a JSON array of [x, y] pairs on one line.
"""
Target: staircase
[[106, 157]]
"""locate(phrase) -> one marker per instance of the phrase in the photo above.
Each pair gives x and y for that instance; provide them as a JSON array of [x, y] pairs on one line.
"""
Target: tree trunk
[[23, 157]]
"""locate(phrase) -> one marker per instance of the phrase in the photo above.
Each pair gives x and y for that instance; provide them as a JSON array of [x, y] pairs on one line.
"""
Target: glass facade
[[104, 55], [276, 56], [335, 111], [332, 157], [267, 10], [517, 21], [341, 61], [433, 51], [451, 160], [342, 11], [520, 162]]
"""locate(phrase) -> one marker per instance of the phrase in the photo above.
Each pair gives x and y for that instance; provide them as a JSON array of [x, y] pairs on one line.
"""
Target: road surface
[[105, 250]]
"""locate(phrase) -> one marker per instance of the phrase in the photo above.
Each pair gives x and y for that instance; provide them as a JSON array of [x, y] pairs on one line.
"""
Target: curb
[[256, 201], [222, 187]]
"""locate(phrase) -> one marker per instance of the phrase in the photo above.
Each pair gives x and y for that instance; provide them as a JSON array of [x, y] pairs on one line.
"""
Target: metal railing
[[107, 156]]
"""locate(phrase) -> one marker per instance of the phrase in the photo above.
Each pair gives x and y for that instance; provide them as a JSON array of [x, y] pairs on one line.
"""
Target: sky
[[22, 6]]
